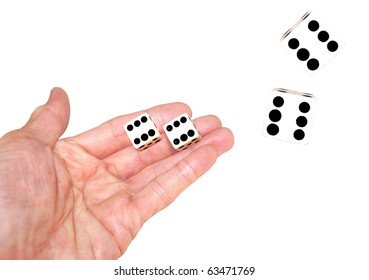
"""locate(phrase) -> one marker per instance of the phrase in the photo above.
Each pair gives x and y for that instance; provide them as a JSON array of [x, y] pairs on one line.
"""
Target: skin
[[87, 196]]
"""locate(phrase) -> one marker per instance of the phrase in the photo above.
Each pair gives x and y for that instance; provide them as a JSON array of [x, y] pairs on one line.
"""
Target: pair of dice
[[181, 132], [290, 113]]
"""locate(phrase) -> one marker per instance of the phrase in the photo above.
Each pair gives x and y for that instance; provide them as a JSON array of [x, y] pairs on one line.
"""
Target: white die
[[312, 42], [182, 132], [142, 132], [289, 116]]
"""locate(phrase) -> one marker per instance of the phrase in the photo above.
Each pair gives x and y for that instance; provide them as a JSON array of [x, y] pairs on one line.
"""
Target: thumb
[[48, 122]]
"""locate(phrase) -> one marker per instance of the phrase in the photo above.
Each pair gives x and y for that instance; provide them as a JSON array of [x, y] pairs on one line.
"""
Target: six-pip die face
[[142, 132], [312, 42], [289, 116], [182, 132]]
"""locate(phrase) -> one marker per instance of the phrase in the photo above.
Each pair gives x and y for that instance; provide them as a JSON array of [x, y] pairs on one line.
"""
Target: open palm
[[86, 197]]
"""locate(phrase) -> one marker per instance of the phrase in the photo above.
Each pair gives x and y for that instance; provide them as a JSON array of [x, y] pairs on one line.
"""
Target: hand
[[86, 197]]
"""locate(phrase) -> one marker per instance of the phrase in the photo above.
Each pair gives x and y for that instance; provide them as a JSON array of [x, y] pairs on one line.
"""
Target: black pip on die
[[182, 132], [289, 116], [142, 132], [312, 42]]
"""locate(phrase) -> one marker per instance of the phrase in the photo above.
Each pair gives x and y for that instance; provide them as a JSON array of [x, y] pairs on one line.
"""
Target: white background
[[292, 211]]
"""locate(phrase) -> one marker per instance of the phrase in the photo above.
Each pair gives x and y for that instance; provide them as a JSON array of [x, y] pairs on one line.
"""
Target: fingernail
[[52, 92]]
